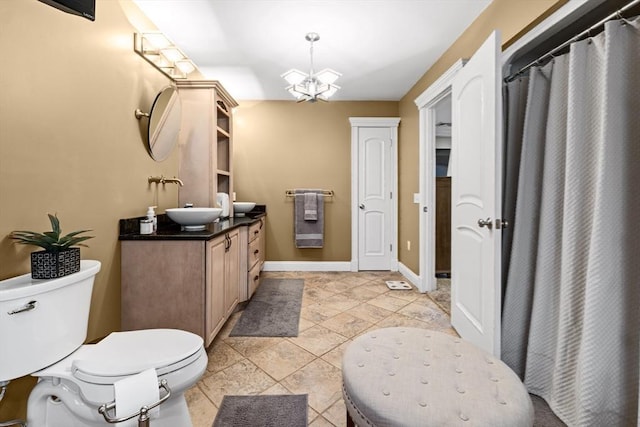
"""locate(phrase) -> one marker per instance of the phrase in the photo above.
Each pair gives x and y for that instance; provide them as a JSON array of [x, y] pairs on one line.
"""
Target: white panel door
[[476, 198], [374, 198]]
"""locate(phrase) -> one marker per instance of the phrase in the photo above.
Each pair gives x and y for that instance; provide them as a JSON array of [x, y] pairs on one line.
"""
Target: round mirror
[[164, 124]]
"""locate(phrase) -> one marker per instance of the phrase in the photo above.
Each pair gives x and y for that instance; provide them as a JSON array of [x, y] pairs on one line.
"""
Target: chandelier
[[312, 86]]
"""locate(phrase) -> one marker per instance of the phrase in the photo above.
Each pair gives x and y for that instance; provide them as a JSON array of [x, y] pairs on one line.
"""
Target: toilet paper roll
[[133, 393]]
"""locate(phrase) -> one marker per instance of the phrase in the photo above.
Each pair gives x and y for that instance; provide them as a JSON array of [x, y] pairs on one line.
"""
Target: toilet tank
[[43, 321]]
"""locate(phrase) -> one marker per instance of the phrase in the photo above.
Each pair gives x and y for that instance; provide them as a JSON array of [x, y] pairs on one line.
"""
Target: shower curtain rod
[[616, 14]]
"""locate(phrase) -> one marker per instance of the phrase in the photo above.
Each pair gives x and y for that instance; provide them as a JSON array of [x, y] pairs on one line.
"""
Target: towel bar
[[292, 193]]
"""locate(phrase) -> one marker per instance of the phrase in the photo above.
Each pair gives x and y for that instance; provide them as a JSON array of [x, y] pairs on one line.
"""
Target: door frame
[[383, 122], [426, 104]]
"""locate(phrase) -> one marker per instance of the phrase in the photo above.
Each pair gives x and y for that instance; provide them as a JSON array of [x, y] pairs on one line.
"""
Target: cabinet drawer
[[254, 230], [254, 254], [253, 279]]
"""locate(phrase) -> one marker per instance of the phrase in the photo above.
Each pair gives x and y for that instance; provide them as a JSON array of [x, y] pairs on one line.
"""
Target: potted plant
[[60, 256]]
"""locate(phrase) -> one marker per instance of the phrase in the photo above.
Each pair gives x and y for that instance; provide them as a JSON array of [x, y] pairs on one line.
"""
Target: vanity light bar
[[160, 52]]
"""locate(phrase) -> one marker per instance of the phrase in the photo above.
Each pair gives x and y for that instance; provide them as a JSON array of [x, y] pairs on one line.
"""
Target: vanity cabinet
[[223, 259], [251, 264], [188, 285], [163, 285], [205, 142], [255, 254]]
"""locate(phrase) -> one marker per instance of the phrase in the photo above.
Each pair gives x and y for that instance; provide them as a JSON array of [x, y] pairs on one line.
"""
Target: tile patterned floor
[[336, 307]]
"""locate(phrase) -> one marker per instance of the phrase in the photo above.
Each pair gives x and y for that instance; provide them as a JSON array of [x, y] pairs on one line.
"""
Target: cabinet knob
[[256, 252]]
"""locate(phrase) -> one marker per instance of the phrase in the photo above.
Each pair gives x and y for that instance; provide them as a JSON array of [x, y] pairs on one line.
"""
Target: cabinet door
[[232, 267], [215, 288]]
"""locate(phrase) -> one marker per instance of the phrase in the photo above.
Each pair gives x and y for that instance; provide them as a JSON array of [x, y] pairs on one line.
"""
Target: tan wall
[[70, 144], [511, 17], [280, 145]]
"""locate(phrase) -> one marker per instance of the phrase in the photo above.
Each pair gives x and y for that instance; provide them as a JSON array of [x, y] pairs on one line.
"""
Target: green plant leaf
[[50, 240], [75, 233], [52, 235], [55, 223]]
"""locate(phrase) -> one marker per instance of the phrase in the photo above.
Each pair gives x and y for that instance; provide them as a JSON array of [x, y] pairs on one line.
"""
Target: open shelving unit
[[206, 142]]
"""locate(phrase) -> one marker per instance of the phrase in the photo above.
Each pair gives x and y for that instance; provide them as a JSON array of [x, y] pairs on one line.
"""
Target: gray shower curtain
[[571, 311]]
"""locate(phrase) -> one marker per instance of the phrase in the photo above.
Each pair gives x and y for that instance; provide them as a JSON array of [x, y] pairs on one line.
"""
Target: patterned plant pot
[[51, 265]]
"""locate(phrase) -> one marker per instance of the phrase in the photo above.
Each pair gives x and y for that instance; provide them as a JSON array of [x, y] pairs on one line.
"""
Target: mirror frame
[[163, 127]]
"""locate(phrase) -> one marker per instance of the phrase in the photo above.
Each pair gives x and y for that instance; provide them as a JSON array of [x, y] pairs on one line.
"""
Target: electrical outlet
[[408, 245]]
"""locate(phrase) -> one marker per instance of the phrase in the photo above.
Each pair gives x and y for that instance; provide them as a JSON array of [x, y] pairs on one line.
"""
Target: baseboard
[[412, 277], [307, 266]]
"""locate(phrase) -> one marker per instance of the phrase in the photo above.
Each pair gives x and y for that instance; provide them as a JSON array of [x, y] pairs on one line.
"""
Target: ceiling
[[381, 47]]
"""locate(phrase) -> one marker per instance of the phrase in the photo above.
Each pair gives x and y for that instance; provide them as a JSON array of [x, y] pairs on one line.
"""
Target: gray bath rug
[[273, 311], [262, 411]]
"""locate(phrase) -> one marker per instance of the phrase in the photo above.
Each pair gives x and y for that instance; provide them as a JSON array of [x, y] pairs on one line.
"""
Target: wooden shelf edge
[[223, 132]]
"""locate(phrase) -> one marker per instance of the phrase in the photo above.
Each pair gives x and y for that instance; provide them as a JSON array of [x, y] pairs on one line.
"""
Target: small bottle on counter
[[146, 226], [151, 215]]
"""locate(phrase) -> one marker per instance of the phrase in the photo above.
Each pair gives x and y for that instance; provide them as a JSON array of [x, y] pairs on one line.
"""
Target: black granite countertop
[[169, 230]]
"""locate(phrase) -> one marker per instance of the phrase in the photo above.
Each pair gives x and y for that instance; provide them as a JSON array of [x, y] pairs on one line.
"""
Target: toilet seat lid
[[128, 353]]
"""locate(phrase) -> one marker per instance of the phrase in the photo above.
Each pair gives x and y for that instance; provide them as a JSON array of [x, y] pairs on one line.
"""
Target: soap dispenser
[[151, 214]]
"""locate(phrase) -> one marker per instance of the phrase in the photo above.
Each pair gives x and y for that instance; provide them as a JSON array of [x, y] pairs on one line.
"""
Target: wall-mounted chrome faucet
[[163, 180]]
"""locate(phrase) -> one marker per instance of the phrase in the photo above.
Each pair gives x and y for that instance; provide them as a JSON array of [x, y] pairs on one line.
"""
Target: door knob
[[362, 206], [485, 223]]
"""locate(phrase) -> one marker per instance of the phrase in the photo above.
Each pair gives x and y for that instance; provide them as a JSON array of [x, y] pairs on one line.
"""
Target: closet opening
[[442, 168]]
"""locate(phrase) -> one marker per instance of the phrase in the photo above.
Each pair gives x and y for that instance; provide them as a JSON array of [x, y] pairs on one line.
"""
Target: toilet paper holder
[[143, 414]]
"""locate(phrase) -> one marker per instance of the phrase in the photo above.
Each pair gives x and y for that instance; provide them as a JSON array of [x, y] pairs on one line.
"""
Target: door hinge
[[391, 194], [424, 209], [391, 247]]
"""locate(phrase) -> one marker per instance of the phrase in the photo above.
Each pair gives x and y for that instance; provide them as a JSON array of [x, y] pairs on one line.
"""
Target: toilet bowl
[[49, 319]]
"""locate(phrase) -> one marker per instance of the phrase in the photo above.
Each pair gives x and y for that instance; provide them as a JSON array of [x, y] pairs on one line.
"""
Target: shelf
[[222, 108], [224, 183], [223, 118], [223, 172], [224, 155], [223, 133]]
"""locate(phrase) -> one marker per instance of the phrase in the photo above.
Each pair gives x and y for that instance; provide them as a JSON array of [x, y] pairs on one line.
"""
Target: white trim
[[437, 87], [307, 266], [412, 277], [356, 123], [374, 122], [354, 197], [426, 104]]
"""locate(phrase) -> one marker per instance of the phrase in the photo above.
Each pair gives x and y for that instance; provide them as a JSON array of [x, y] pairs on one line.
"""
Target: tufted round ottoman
[[417, 377]]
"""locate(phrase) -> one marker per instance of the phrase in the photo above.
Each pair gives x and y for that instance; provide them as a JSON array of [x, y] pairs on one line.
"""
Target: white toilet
[[43, 324]]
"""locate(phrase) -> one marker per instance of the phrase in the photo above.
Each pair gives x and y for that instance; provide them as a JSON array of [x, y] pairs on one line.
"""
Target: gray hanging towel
[[310, 206], [308, 233]]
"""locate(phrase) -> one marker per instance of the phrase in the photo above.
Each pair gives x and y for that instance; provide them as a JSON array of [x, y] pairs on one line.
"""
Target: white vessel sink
[[241, 208], [193, 219]]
